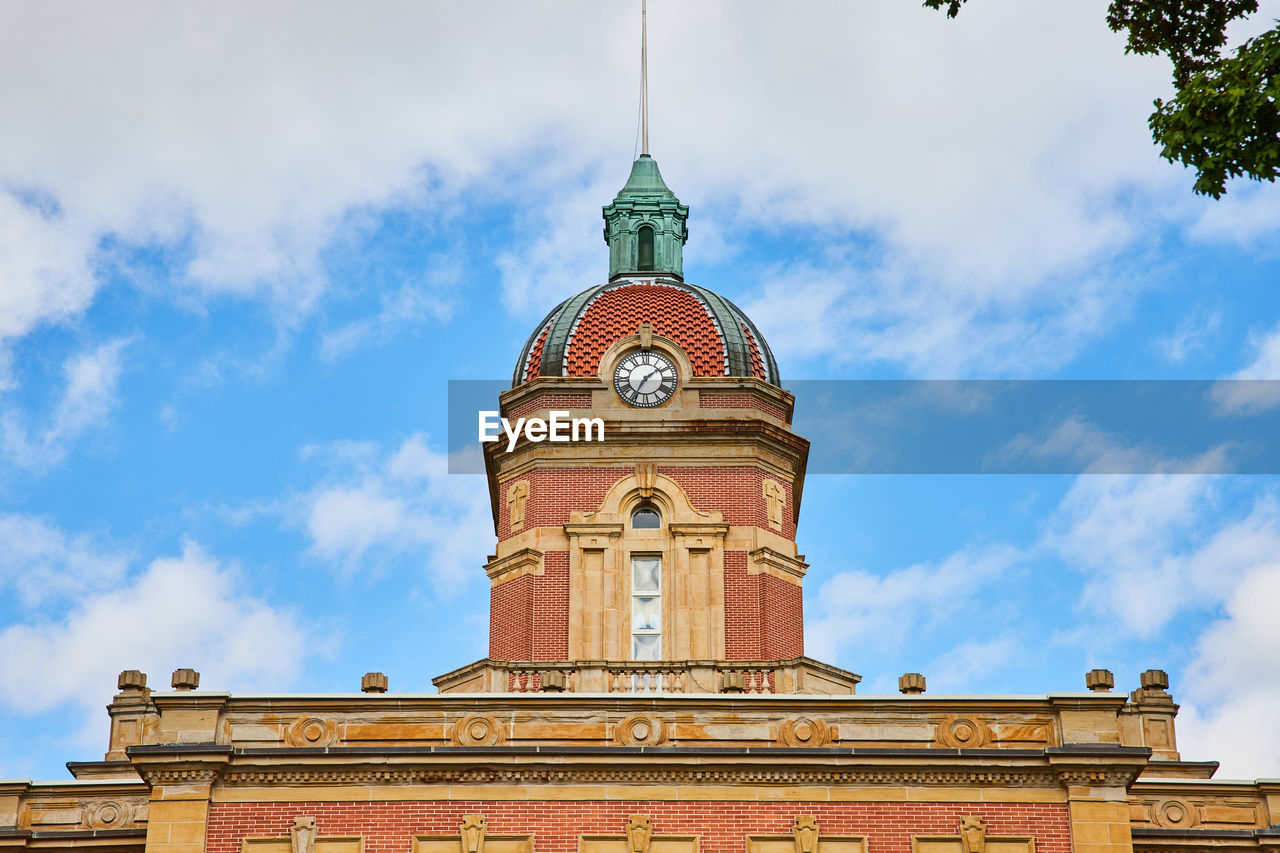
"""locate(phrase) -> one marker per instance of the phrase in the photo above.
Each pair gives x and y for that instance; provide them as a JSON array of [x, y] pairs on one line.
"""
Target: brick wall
[[549, 400], [741, 609], [781, 619], [739, 400], [763, 615], [510, 633], [737, 491], [555, 492], [529, 615], [389, 827]]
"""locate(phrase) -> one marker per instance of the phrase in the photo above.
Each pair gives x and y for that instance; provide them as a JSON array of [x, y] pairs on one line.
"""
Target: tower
[[663, 558]]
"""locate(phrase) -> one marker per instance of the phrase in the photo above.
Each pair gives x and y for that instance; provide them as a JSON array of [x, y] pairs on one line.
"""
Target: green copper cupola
[[645, 226]]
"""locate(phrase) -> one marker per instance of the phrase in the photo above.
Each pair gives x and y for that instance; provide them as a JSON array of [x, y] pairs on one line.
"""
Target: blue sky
[[243, 250]]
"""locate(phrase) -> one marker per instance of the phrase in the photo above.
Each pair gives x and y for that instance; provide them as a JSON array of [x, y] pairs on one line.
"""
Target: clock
[[645, 379]]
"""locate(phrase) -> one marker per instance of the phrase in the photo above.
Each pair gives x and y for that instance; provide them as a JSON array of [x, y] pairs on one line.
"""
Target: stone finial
[[1154, 679], [373, 682], [132, 679], [805, 832], [185, 679], [1099, 680], [639, 833], [911, 682], [553, 681], [302, 835]]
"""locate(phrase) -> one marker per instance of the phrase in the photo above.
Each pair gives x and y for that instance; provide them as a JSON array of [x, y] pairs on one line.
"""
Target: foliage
[[1224, 119]]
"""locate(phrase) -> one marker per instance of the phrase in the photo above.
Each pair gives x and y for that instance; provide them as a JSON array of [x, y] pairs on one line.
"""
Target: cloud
[[1001, 166], [1154, 547], [194, 602], [44, 563], [1194, 334], [1257, 386], [373, 507], [877, 613], [1232, 686], [412, 304], [45, 271], [87, 399]]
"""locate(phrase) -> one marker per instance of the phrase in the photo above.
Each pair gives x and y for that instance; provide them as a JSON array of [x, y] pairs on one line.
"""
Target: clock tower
[[663, 558]]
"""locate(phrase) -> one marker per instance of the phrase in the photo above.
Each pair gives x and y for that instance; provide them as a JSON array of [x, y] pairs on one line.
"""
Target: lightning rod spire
[[644, 78]]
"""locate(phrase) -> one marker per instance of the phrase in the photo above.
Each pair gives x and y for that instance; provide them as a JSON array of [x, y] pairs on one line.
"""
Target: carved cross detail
[[517, 495], [973, 834], [639, 834], [472, 832], [775, 499], [302, 835], [805, 831]]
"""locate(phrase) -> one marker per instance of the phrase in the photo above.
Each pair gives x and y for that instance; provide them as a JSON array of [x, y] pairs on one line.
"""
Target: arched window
[[644, 259], [646, 518]]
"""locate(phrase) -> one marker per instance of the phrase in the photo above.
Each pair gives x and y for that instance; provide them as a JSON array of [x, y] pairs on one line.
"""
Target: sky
[[244, 246]]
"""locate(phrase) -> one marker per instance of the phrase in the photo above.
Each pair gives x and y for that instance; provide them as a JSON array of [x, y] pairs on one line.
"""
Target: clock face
[[645, 379]]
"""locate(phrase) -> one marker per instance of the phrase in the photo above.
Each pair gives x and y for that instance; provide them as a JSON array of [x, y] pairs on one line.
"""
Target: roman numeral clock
[[644, 379]]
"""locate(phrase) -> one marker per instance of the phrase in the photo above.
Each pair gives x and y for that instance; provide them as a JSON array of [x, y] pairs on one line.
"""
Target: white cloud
[[86, 401], [877, 613], [411, 304], [374, 507], [1256, 387], [1154, 547], [43, 563], [192, 601], [1232, 687], [1000, 165], [1194, 334], [45, 271]]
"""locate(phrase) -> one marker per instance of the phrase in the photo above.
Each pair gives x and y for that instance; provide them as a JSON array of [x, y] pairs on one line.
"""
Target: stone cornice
[[526, 561], [766, 560], [1098, 765]]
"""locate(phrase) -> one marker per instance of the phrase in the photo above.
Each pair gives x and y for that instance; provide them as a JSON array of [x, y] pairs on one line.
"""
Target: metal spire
[[644, 78]]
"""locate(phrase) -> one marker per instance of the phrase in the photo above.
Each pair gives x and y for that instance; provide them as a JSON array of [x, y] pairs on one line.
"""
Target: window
[[646, 518], [646, 607], [644, 260]]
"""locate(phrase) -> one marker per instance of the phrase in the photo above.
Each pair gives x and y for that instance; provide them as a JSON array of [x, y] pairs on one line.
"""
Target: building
[[646, 689]]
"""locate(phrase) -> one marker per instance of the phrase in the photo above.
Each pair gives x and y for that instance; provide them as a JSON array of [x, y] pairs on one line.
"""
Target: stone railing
[[796, 675]]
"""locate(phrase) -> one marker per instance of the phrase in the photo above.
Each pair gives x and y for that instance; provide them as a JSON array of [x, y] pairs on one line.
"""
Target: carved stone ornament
[[973, 834], [639, 833], [963, 733], [517, 496], [640, 731], [1175, 814], [775, 497], [804, 731], [312, 731], [477, 731], [302, 835], [110, 814], [647, 475], [472, 831], [805, 831]]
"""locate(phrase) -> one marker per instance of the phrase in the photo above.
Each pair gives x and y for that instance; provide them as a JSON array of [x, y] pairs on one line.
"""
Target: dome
[[717, 337]]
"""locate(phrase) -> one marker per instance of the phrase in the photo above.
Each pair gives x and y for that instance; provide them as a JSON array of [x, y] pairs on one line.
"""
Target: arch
[[665, 495], [646, 258]]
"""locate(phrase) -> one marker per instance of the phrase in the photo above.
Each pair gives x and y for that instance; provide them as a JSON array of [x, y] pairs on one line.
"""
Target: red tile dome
[[713, 332]]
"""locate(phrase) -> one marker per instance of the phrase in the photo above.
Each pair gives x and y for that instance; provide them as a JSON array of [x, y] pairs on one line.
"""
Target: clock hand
[[638, 384]]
